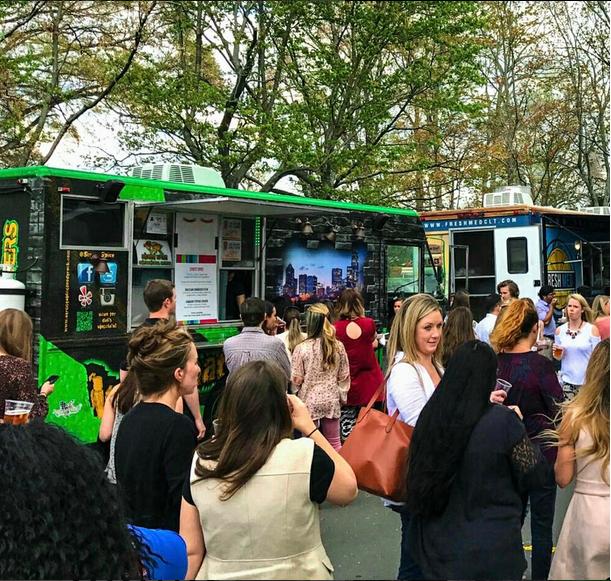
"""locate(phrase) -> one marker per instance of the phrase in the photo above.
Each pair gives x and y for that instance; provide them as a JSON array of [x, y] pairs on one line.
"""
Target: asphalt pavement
[[363, 539]]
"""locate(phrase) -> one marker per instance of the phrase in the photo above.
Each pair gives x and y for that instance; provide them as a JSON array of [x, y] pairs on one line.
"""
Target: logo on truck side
[[10, 243]]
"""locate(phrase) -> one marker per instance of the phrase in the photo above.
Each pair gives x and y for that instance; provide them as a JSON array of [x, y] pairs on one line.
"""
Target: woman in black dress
[[469, 461], [154, 444]]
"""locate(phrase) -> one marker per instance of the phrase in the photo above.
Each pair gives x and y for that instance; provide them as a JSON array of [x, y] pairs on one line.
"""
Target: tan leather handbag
[[377, 451]]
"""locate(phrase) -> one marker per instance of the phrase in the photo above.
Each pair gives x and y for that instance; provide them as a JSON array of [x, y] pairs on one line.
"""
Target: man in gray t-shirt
[[252, 344]]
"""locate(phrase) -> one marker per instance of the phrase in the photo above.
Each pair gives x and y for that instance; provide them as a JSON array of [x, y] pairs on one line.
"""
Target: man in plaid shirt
[[252, 344]]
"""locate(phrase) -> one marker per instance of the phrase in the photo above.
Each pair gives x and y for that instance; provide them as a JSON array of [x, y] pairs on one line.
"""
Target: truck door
[[518, 257], [473, 266]]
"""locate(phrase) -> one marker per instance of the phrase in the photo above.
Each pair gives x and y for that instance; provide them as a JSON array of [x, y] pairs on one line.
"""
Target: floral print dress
[[322, 390]]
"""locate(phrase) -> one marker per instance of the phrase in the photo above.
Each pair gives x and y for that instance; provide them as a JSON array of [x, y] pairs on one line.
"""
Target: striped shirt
[[252, 344]]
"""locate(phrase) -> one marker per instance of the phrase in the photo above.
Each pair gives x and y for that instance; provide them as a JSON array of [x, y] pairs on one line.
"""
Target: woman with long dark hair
[[468, 462], [460, 299], [61, 519], [535, 389], [457, 329], [250, 507]]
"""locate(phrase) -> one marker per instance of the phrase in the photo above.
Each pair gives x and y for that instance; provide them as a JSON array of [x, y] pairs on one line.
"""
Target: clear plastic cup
[[502, 384], [557, 351], [17, 412]]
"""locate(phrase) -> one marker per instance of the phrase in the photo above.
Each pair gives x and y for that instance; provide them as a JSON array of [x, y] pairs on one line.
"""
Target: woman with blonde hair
[[293, 335], [321, 374], [600, 309], [16, 377], [359, 336], [536, 391], [583, 452], [574, 343], [414, 371], [154, 445]]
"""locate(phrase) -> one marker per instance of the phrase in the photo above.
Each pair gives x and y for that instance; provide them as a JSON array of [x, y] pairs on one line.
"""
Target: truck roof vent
[[508, 196], [600, 210], [179, 172]]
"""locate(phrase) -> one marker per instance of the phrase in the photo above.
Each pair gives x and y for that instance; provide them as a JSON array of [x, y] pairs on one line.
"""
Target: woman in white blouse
[[414, 372], [577, 339]]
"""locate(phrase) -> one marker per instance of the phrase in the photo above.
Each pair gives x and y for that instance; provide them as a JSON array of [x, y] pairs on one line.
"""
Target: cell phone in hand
[[52, 379]]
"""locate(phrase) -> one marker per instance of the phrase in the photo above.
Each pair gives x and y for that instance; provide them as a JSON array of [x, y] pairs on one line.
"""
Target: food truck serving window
[[92, 224]]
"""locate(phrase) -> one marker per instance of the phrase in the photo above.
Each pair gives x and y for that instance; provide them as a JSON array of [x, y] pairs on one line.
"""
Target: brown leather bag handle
[[373, 399], [391, 419]]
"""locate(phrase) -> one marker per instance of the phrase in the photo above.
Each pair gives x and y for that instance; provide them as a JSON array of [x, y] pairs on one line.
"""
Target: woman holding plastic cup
[[17, 381], [535, 389], [574, 343]]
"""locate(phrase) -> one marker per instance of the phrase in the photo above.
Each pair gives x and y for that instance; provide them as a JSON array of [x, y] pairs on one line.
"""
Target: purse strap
[[382, 389], [391, 419]]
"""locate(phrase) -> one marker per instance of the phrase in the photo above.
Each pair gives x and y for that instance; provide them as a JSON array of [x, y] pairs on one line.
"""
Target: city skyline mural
[[322, 273]]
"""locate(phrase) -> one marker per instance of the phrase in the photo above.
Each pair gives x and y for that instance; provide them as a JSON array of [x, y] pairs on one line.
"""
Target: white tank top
[[577, 352]]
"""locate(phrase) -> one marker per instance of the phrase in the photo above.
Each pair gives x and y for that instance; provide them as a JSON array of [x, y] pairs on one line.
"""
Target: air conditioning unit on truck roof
[[600, 210], [180, 172], [508, 196]]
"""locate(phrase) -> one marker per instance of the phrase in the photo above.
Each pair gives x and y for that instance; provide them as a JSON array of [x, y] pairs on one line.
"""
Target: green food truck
[[84, 245]]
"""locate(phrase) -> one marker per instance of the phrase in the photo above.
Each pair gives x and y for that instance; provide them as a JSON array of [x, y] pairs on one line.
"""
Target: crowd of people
[[504, 410]]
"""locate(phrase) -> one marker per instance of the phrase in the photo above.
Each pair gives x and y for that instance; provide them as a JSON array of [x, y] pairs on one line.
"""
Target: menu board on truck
[[196, 291], [195, 272]]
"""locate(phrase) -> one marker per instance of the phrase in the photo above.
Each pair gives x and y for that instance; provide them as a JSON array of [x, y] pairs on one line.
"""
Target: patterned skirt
[[347, 420]]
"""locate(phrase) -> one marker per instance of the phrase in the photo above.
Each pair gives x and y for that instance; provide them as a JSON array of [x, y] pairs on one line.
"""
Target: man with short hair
[[485, 326], [545, 309], [508, 290], [252, 344], [160, 299]]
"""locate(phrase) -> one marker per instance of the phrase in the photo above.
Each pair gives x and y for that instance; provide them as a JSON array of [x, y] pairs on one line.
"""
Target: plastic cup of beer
[[502, 384], [557, 351], [17, 412]]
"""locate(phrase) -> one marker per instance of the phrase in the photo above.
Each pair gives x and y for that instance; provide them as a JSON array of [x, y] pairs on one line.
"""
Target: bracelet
[[311, 432], [43, 393]]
